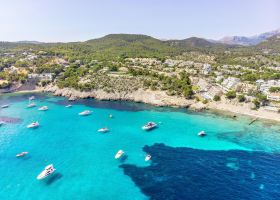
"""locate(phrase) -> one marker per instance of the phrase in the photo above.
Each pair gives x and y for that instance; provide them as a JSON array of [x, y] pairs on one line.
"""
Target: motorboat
[[119, 154], [201, 134], [31, 105], [31, 98], [110, 116], [149, 126], [68, 106], [85, 113], [103, 130], [43, 108], [148, 157], [46, 172], [33, 125], [2, 123], [5, 106], [22, 154]]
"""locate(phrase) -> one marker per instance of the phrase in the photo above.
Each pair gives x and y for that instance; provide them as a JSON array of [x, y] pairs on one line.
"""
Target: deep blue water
[[185, 173], [234, 161]]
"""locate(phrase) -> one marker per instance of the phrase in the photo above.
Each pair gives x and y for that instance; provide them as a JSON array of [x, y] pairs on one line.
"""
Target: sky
[[80, 20]]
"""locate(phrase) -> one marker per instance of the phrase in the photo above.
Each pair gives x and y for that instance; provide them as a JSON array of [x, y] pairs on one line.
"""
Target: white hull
[[5, 106], [44, 108], [85, 113], [103, 130], [119, 154], [31, 105], [21, 154], [201, 134], [46, 172], [31, 98], [33, 125], [149, 126], [148, 157]]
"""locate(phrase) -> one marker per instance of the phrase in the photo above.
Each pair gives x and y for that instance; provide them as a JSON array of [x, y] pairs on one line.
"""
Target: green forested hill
[[115, 46]]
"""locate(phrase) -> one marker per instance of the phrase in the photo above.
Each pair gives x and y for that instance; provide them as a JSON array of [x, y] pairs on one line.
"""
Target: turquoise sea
[[234, 161]]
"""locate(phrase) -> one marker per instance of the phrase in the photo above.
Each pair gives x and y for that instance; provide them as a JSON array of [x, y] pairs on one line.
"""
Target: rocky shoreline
[[160, 98], [157, 98]]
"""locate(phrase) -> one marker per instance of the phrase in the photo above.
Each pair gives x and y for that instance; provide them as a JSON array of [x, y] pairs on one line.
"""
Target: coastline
[[160, 99]]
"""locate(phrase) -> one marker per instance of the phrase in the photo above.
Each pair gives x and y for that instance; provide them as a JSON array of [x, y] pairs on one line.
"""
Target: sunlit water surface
[[234, 161]]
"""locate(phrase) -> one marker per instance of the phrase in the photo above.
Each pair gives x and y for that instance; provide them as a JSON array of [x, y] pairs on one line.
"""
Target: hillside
[[130, 45], [272, 44], [115, 46]]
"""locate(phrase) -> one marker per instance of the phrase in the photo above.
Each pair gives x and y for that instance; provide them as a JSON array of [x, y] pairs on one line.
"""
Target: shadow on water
[[116, 105], [27, 157], [123, 158], [10, 120], [14, 97], [184, 173], [53, 178]]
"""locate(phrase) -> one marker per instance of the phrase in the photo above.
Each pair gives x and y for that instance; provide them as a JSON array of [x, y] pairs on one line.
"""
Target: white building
[[219, 78], [273, 96], [212, 92], [265, 86], [230, 83], [41, 77], [206, 69]]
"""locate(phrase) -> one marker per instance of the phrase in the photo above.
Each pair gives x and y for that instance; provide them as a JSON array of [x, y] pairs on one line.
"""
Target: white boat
[[148, 157], [31, 98], [201, 134], [68, 106], [43, 108], [110, 116], [103, 130], [46, 172], [2, 123], [5, 106], [33, 125], [149, 126], [119, 154], [22, 154], [31, 105], [85, 113]]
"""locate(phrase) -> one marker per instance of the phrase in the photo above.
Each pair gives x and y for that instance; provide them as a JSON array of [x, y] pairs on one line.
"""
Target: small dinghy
[[201, 134], [119, 154], [103, 130], [46, 172], [21, 154], [31, 98], [33, 125], [148, 157], [31, 105], [68, 106], [85, 113], [149, 126], [43, 108], [5, 106]]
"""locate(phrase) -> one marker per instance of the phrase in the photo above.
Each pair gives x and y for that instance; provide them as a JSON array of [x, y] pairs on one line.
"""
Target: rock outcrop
[[157, 98]]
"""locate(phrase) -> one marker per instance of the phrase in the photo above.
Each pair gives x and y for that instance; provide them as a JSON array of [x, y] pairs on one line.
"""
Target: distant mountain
[[271, 45], [29, 42], [191, 42], [248, 41]]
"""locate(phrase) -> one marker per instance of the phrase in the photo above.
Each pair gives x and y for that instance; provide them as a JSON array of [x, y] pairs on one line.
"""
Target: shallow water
[[84, 158]]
